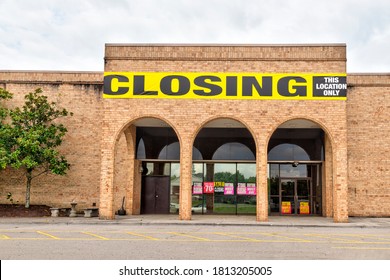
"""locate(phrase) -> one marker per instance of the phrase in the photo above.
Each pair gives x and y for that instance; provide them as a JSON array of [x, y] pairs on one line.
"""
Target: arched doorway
[[146, 166], [158, 152], [296, 160], [224, 169]]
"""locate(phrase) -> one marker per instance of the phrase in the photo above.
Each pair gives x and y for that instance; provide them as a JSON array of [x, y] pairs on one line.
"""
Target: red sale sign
[[208, 187]]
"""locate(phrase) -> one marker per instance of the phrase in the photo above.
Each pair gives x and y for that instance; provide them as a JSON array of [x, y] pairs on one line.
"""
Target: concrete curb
[[233, 221]]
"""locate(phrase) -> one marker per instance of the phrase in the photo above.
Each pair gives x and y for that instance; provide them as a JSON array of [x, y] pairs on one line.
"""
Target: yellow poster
[[304, 207], [286, 207]]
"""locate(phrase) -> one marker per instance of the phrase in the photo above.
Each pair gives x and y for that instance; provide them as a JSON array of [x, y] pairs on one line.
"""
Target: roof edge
[[222, 45]]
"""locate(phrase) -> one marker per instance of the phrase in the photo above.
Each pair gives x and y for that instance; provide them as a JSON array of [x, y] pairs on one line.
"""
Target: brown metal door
[[155, 195]]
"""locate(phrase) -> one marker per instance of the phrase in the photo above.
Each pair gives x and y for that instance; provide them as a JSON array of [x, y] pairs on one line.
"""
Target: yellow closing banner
[[197, 85]]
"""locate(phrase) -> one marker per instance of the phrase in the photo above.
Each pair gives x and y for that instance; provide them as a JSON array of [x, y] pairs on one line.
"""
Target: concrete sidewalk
[[217, 220]]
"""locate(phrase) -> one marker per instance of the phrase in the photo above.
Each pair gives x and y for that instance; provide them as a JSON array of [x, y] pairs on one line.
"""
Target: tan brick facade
[[368, 109], [101, 141], [80, 93]]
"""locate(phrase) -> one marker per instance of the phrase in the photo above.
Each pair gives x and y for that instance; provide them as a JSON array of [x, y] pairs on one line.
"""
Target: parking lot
[[180, 235], [196, 241]]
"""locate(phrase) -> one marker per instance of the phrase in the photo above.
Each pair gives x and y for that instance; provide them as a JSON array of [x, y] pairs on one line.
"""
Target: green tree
[[4, 129], [35, 137]]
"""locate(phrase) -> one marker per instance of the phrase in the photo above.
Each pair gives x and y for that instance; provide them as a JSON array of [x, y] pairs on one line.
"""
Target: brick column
[[106, 210], [327, 180], [340, 187], [133, 189], [136, 187], [262, 187], [185, 198]]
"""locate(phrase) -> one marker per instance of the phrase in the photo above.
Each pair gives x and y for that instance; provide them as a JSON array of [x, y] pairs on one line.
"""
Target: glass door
[[287, 191], [295, 196], [302, 197]]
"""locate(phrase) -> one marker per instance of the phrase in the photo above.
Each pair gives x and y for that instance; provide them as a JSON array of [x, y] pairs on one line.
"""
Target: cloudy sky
[[70, 35]]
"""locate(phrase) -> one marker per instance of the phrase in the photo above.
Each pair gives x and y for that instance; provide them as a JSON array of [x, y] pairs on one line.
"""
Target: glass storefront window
[[236, 151], [197, 179], [298, 186], [246, 174], [171, 151], [273, 179], [223, 173], [288, 152], [175, 187], [225, 176], [157, 143], [273, 187], [291, 171]]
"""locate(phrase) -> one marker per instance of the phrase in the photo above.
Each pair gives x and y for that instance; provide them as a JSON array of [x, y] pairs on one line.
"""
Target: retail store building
[[217, 129]]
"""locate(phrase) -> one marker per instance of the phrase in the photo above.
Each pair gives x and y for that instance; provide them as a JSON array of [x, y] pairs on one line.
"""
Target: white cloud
[[70, 35]]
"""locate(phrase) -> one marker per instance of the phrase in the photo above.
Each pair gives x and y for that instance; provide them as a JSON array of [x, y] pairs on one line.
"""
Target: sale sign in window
[[197, 188], [219, 187], [251, 189], [229, 189], [304, 207], [286, 207], [241, 188], [208, 187]]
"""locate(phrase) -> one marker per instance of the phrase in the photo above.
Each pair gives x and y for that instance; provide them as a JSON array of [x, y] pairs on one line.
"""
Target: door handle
[[156, 195]]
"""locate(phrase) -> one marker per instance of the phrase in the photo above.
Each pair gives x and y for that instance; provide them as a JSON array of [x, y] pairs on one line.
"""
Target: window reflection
[[233, 151], [289, 171], [171, 151], [288, 152], [141, 153], [157, 143]]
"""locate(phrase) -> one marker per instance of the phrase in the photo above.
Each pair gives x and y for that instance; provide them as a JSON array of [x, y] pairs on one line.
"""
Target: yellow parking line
[[373, 237], [190, 236], [344, 240], [3, 236], [48, 235], [95, 235], [286, 237], [143, 236], [240, 237], [362, 248]]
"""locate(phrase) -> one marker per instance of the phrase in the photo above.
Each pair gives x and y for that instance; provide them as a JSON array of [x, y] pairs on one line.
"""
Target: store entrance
[[296, 196], [155, 195], [295, 189], [296, 158]]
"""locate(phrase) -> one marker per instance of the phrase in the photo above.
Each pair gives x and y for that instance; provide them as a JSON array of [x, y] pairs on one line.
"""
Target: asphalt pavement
[[209, 220]]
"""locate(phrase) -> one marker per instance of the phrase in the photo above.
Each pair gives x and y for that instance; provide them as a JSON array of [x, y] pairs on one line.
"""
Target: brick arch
[[115, 185], [330, 147], [126, 124], [277, 124]]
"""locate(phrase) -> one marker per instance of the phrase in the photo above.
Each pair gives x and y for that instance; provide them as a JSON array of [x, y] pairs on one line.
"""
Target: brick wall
[[368, 110], [80, 93]]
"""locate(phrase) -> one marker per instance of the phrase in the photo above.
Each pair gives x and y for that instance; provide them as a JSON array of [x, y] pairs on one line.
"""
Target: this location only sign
[[330, 86]]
